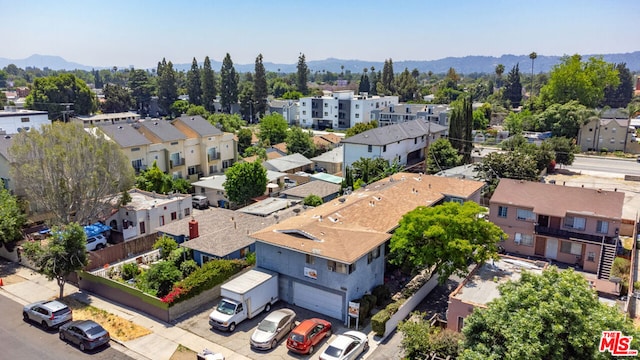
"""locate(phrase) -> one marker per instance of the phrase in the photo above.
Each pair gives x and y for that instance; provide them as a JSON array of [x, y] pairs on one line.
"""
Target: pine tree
[[620, 96], [364, 85], [208, 85], [301, 78], [167, 88], [375, 78], [513, 87], [228, 84], [260, 88], [194, 88], [387, 81], [461, 127]]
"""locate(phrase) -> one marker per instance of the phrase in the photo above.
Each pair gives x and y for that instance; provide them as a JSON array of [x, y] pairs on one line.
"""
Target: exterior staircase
[[608, 254]]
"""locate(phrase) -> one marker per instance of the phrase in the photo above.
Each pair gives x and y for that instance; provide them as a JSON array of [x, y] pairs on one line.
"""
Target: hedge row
[[379, 320], [210, 274]]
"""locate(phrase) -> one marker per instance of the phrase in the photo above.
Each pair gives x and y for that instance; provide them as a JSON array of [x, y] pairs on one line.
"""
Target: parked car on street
[[307, 335], [47, 313], [87, 334], [273, 328], [347, 346], [96, 242]]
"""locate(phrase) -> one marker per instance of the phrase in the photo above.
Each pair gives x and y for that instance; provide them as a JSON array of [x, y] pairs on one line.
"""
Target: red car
[[307, 335]]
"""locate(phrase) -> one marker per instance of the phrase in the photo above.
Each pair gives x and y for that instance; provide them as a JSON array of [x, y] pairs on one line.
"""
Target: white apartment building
[[13, 120], [341, 109]]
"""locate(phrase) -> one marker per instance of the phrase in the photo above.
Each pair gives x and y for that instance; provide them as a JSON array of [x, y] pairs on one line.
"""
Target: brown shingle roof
[[346, 230], [558, 200]]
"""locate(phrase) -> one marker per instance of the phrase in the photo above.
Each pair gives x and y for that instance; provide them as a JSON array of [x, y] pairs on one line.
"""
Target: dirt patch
[[183, 353], [119, 328], [12, 279]]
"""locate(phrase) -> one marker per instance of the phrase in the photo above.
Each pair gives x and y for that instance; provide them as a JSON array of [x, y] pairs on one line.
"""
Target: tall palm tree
[[499, 72], [533, 57]]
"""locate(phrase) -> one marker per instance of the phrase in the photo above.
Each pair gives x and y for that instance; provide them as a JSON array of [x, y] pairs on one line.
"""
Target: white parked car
[[47, 313], [96, 242], [347, 346]]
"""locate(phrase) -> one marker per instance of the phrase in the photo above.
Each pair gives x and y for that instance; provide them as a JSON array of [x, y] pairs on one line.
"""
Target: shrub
[[211, 273], [129, 271], [636, 285], [188, 267], [159, 279], [379, 322], [382, 294], [312, 200], [251, 259], [365, 308], [372, 300], [166, 245], [177, 256]]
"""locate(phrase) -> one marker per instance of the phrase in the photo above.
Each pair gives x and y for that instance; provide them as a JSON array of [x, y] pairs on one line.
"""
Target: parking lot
[[238, 341]]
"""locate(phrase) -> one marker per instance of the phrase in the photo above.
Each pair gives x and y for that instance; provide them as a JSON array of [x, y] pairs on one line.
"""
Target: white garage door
[[317, 300]]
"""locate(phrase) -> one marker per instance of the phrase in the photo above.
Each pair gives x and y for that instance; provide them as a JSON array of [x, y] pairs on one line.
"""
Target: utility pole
[[66, 111]]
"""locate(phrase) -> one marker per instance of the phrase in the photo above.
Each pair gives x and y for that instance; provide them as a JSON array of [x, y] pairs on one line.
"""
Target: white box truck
[[244, 297]]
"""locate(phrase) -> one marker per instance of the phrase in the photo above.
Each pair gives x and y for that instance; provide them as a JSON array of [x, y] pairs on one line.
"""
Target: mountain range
[[462, 65]]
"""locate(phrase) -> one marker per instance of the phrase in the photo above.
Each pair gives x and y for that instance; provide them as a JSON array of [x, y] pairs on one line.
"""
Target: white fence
[[408, 306], [145, 258]]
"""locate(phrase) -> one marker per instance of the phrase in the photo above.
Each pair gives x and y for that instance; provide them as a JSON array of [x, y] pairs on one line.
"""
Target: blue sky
[[141, 33]]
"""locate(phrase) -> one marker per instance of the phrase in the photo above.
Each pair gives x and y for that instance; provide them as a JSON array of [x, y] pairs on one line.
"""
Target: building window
[[502, 211], [369, 148], [26, 119], [591, 256], [135, 149], [310, 259], [357, 116], [192, 170], [174, 215], [304, 112], [357, 106], [602, 227], [304, 103], [569, 247], [187, 212], [326, 105], [143, 229], [244, 252], [523, 239], [340, 267], [374, 254], [577, 223], [460, 323], [523, 214], [384, 148]]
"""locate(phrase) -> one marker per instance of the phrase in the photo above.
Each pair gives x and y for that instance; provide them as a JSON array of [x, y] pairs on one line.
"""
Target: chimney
[[193, 229]]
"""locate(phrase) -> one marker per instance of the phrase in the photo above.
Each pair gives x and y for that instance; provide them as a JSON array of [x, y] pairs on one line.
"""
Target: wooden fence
[[121, 251]]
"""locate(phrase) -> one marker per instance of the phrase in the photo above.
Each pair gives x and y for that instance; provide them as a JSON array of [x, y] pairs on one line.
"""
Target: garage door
[[318, 300]]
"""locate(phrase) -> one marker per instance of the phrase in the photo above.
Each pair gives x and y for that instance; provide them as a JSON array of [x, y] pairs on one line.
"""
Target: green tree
[[312, 200], [167, 85], [620, 96], [461, 127], [550, 316], [445, 237], [159, 279], [194, 110], [154, 179], [245, 181], [480, 121], [442, 156], [69, 172], [245, 98], [369, 170], [513, 87], [292, 95], [273, 128], [565, 119], [499, 72], [512, 165], [227, 122], [301, 75], [166, 244], [574, 79], [228, 84], [141, 90], [420, 339], [360, 128], [533, 56], [208, 85], [387, 82], [11, 217], [63, 253], [117, 99], [407, 86], [258, 151], [245, 137], [260, 91], [179, 107], [564, 148], [57, 94], [194, 85], [300, 141], [364, 85]]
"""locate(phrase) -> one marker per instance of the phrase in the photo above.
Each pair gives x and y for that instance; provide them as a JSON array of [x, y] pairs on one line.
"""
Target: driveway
[[197, 322]]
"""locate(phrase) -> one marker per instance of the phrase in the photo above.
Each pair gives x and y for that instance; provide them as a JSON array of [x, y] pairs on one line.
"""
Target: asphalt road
[[23, 340], [608, 165]]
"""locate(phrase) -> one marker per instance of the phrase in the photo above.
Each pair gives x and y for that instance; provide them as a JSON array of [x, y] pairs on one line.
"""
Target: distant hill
[[462, 65]]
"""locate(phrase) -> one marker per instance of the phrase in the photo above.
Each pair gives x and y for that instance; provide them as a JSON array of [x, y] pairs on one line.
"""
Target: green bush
[[166, 244], [636, 285], [379, 322], [179, 255], [365, 308], [129, 271], [372, 300], [211, 273], [382, 294], [251, 259], [394, 306], [188, 267]]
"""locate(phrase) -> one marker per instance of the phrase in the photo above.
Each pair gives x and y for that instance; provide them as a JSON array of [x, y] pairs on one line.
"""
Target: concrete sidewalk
[[25, 286]]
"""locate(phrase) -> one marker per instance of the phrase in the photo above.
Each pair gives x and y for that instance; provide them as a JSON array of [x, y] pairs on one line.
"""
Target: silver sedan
[[273, 328]]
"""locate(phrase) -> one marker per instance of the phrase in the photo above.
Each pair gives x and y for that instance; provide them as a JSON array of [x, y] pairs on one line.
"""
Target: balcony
[[176, 162], [212, 157], [564, 234]]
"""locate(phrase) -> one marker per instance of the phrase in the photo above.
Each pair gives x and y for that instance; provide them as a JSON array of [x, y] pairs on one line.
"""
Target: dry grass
[[183, 353], [119, 328]]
